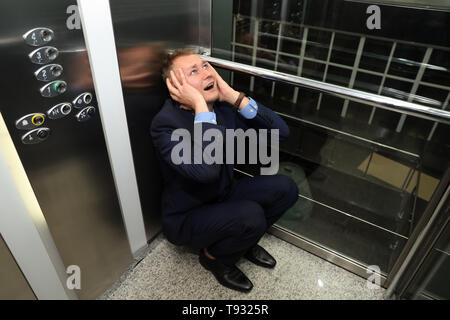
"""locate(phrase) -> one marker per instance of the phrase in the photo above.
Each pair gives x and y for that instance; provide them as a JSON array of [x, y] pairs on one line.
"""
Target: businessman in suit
[[203, 206]]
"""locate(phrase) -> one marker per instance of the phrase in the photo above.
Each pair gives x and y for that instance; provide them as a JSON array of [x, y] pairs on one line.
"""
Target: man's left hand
[[226, 93]]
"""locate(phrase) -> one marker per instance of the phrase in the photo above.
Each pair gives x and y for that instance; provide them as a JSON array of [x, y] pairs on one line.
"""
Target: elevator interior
[[371, 173]]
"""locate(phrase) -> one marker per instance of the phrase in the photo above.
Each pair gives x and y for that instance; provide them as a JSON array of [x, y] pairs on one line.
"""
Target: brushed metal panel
[[14, 285], [172, 22], [143, 31], [69, 172]]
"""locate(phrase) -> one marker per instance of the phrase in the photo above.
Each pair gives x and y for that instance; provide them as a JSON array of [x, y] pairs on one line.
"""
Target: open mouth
[[209, 86]]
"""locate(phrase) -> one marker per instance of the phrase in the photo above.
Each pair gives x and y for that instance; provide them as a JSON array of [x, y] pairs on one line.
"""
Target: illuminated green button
[[59, 87]]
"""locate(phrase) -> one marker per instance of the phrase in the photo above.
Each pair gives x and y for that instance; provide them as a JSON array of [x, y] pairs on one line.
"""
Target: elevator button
[[54, 89], [30, 121], [65, 109], [36, 136], [85, 114], [43, 55], [59, 87], [38, 36], [49, 72], [51, 53], [37, 119], [82, 100], [42, 134], [59, 111]]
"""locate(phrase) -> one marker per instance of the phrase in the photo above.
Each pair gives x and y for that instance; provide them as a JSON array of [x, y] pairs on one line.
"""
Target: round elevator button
[[46, 36], [37, 119], [59, 87], [42, 134], [55, 71], [66, 109], [51, 53], [87, 98]]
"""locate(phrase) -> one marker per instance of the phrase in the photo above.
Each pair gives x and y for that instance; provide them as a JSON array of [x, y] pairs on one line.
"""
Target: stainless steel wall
[[70, 171], [144, 30], [13, 286]]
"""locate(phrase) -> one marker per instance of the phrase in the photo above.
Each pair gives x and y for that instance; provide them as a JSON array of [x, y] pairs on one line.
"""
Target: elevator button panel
[[44, 55], [49, 72], [36, 136], [30, 121], [54, 88], [59, 111], [83, 100], [38, 36], [85, 114]]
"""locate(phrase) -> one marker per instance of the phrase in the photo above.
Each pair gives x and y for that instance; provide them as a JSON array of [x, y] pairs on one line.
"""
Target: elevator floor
[[170, 272]]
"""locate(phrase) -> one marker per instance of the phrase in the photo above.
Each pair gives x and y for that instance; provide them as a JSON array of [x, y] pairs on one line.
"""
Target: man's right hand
[[180, 90]]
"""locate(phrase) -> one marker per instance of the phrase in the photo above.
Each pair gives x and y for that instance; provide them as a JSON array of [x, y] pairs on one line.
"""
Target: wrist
[[200, 106], [243, 103], [231, 97]]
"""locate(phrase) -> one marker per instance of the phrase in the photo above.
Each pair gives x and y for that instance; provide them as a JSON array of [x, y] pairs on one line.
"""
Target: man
[[202, 205]]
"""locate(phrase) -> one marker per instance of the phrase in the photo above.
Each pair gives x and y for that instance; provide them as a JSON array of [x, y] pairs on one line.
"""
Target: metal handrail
[[372, 99]]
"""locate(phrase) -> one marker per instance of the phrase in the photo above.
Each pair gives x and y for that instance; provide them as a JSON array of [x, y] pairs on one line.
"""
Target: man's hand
[[226, 93], [180, 90]]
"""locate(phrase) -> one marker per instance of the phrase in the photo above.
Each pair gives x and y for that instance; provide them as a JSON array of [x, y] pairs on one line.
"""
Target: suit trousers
[[230, 227]]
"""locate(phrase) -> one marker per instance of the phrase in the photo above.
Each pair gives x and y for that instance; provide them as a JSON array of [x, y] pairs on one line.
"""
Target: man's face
[[199, 74]]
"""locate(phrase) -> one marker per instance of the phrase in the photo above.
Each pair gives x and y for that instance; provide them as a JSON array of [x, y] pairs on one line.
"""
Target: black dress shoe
[[230, 277], [258, 255]]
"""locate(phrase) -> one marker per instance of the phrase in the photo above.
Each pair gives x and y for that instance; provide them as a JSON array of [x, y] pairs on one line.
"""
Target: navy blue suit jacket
[[187, 186]]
